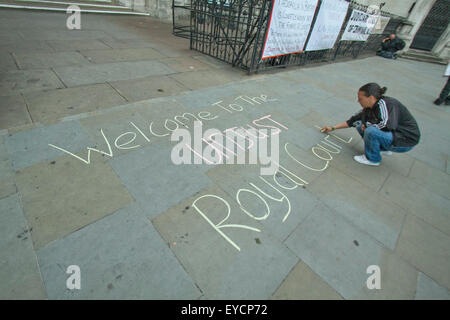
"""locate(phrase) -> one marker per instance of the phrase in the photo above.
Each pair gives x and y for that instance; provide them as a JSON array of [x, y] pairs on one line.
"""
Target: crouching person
[[384, 123]]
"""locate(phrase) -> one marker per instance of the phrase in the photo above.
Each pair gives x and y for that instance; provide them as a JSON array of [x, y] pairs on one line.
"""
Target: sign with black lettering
[[289, 26], [328, 24], [359, 27]]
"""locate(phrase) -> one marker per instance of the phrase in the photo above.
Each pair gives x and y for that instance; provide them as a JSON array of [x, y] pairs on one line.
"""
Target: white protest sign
[[381, 25], [359, 26], [328, 24], [289, 26]]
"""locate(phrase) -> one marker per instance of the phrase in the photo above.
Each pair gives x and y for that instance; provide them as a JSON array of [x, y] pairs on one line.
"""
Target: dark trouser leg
[[445, 91], [386, 54]]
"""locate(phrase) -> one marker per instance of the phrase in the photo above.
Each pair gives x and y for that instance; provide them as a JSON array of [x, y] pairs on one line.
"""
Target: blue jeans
[[376, 140]]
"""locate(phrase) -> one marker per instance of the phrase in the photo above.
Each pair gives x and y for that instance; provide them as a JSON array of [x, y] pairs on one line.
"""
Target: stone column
[[442, 46]]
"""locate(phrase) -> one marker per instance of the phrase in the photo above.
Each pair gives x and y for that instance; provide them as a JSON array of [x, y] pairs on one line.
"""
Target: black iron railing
[[235, 31]]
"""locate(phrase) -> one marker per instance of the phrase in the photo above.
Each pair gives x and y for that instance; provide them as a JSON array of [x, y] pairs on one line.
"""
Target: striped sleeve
[[384, 115]]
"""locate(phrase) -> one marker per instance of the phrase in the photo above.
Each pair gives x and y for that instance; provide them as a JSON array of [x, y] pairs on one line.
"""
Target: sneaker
[[362, 159], [386, 153]]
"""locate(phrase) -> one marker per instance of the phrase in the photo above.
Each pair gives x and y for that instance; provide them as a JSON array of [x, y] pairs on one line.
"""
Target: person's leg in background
[[385, 54], [444, 96]]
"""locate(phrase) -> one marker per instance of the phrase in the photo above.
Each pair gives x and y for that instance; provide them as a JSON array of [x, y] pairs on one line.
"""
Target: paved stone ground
[[87, 179]]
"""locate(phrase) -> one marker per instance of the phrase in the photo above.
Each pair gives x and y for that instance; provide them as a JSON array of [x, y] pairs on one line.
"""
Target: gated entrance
[[433, 26], [235, 31]]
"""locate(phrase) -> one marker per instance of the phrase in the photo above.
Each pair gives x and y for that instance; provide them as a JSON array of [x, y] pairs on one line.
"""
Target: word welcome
[[125, 141]]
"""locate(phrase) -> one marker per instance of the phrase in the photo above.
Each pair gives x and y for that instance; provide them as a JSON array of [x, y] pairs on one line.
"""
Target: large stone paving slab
[[266, 86], [304, 284], [300, 162], [431, 207], [147, 122], [204, 98], [434, 180], [115, 55], [115, 71], [329, 78], [32, 146], [371, 177], [373, 214], [338, 109], [148, 88], [7, 179], [64, 195], [316, 120], [427, 289], [400, 163], [185, 64], [212, 62], [277, 202], [432, 151], [49, 60], [426, 248], [217, 267], [120, 257], [340, 254], [50, 106], [75, 45], [15, 82], [63, 34], [124, 128], [154, 181], [127, 43], [398, 279], [19, 271], [202, 79], [9, 35], [429, 124], [14, 112], [7, 62], [25, 46]]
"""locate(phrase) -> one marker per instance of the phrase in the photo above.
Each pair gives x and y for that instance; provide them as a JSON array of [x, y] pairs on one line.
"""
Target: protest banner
[[359, 27], [289, 27], [328, 24]]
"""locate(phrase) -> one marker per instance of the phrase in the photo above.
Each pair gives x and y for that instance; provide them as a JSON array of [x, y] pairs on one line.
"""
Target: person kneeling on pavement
[[390, 46], [384, 123]]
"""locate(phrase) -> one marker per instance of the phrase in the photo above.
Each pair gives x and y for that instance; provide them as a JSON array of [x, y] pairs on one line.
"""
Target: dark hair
[[373, 89]]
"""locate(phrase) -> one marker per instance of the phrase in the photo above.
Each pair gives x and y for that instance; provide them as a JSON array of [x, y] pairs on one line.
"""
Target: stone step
[[57, 5], [423, 56]]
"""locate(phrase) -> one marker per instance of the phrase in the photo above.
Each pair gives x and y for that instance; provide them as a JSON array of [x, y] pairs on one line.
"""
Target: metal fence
[[234, 31], [181, 18]]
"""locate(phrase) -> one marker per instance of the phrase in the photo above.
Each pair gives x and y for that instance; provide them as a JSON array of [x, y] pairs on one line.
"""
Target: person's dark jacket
[[393, 45], [388, 114]]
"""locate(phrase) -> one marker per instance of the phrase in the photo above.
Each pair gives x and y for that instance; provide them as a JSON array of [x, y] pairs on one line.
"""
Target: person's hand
[[326, 129], [363, 127]]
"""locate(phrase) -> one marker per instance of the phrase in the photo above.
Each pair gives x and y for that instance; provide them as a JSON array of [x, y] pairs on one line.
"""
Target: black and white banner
[[289, 26], [328, 24], [360, 26]]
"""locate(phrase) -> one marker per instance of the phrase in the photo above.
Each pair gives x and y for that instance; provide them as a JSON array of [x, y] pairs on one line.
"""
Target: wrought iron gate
[[234, 31]]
